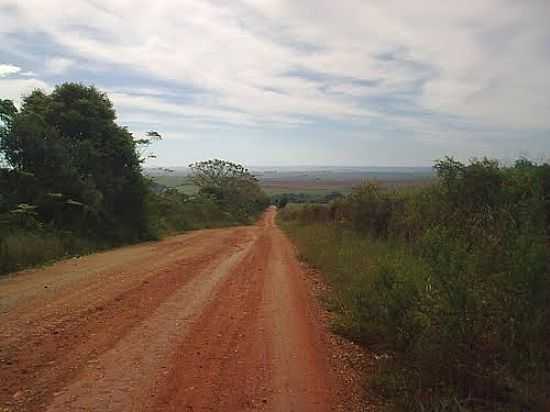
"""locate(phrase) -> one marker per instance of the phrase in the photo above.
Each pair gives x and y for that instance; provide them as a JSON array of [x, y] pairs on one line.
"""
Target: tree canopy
[[66, 156], [71, 181], [230, 184]]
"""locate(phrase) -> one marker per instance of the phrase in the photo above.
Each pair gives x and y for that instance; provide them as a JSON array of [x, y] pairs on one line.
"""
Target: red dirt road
[[215, 320]]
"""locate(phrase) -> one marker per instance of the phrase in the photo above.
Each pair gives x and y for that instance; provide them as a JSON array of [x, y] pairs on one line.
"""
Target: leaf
[[24, 208], [74, 203], [154, 135], [56, 195]]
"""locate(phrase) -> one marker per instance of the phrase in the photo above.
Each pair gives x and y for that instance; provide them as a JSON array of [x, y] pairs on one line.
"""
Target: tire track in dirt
[[219, 320], [301, 377], [47, 341], [144, 349], [223, 364]]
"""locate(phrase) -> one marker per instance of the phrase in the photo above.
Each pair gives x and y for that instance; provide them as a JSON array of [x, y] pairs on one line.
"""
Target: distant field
[[322, 187], [315, 182], [181, 183], [315, 187], [322, 181]]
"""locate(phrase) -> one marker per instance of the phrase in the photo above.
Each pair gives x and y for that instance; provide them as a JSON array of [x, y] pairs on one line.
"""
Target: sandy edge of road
[[353, 365], [220, 319]]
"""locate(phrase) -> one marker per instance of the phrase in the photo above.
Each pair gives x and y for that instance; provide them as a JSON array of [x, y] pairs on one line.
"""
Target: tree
[[231, 185], [281, 202], [7, 113], [67, 156], [217, 174]]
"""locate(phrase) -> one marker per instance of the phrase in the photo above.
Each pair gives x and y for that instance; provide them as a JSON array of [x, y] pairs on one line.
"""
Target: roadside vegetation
[[282, 199], [71, 182], [449, 284]]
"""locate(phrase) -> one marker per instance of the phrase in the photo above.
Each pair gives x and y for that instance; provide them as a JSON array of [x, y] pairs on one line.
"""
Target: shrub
[[453, 279], [21, 248]]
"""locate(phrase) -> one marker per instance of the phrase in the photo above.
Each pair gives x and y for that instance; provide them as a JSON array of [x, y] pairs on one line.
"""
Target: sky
[[299, 82]]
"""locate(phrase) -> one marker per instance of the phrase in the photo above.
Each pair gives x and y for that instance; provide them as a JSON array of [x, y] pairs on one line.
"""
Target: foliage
[[453, 279], [67, 157], [280, 201], [285, 198], [71, 181], [173, 211], [231, 186], [24, 248]]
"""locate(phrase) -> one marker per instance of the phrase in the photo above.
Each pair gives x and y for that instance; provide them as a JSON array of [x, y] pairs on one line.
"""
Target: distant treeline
[[282, 199], [71, 181], [451, 281]]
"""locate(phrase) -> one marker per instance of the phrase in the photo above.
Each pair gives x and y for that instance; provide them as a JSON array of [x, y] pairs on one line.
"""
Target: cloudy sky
[[299, 82]]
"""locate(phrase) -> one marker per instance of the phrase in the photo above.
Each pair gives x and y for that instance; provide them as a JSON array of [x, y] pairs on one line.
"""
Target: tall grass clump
[[23, 249], [452, 280]]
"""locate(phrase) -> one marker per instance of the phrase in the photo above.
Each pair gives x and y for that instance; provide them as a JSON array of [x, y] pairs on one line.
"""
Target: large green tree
[[67, 156], [231, 185]]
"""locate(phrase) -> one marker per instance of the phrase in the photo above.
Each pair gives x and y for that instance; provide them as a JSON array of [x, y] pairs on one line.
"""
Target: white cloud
[[16, 88], [8, 69], [283, 61], [143, 103], [59, 65], [137, 108]]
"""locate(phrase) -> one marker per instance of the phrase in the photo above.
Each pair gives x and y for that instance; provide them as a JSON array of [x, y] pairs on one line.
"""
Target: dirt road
[[214, 320]]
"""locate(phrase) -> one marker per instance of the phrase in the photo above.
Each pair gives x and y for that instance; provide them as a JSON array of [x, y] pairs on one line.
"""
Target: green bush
[[27, 249], [231, 186], [171, 211], [453, 279], [66, 156], [20, 249], [71, 180]]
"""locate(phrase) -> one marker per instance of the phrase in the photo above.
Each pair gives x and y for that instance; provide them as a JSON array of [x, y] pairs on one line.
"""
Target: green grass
[[22, 249], [352, 264], [383, 295]]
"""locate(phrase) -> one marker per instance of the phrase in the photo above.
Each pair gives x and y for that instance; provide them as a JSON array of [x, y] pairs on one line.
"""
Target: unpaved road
[[214, 320]]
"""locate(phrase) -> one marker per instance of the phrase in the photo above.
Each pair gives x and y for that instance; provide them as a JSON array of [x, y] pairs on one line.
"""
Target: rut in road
[[213, 320]]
